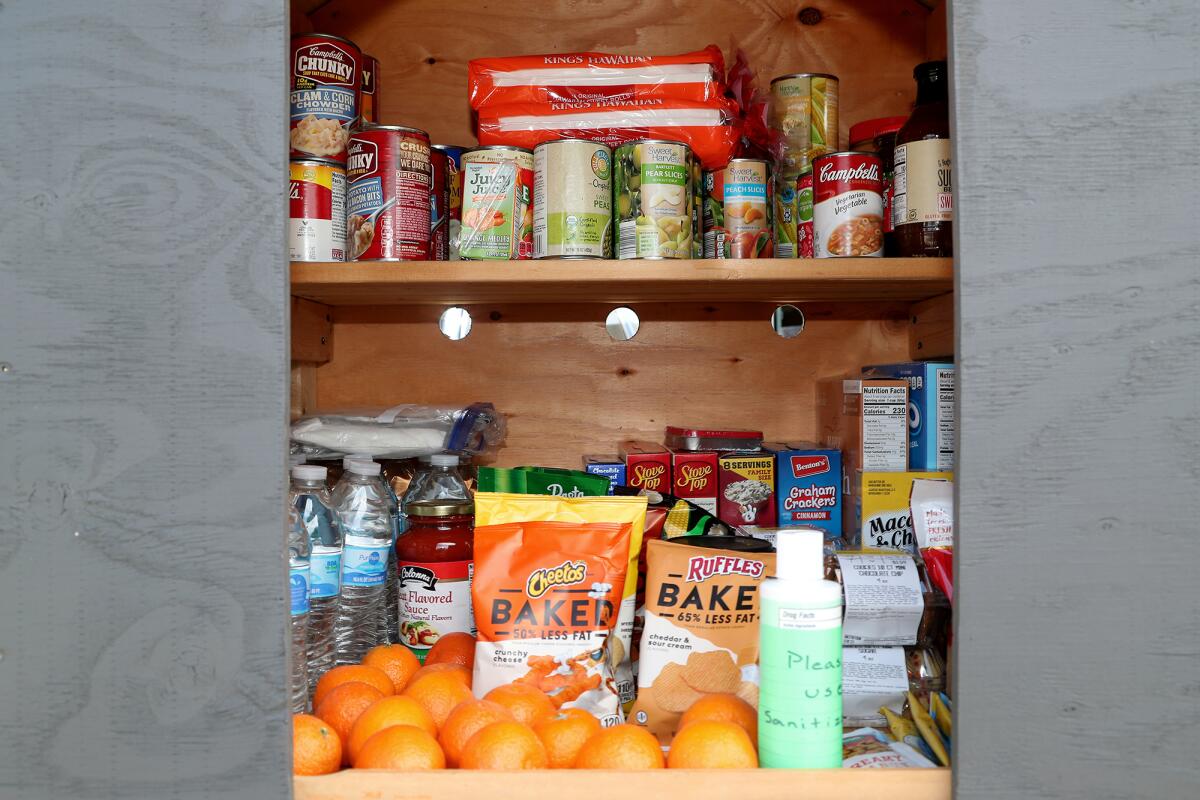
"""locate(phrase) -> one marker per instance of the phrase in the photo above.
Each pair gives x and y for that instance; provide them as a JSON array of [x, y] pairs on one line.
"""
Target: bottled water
[[419, 476], [361, 503], [313, 504], [440, 481], [390, 630], [297, 547]]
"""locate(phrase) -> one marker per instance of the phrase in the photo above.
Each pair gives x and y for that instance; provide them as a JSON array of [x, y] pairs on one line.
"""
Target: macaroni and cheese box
[[808, 487], [694, 478], [747, 485], [883, 501], [930, 410], [610, 467]]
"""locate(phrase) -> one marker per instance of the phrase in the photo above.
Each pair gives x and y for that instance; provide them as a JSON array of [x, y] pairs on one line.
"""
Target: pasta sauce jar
[[434, 567]]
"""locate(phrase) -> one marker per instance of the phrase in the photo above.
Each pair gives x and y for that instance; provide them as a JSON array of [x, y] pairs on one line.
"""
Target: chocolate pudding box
[[610, 467], [930, 410], [808, 486]]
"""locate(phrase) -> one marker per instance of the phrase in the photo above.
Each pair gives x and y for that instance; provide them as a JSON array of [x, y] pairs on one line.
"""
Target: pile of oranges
[[389, 712]]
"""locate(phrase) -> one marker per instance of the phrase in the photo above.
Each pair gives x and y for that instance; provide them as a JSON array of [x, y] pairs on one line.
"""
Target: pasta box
[[746, 482], [808, 486]]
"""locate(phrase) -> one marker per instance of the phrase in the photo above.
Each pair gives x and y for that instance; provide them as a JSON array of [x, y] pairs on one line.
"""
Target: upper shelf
[[564, 281]]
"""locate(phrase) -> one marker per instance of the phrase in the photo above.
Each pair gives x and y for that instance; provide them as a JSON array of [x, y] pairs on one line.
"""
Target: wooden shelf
[[762, 784], [557, 281]]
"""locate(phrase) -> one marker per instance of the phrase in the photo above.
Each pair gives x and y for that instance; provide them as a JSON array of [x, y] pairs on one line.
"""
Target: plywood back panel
[[423, 48], [569, 389]]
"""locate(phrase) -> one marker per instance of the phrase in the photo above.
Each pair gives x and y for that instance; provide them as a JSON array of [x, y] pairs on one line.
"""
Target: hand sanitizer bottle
[[800, 660]]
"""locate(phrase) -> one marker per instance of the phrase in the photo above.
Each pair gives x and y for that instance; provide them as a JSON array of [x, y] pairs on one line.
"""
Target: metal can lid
[[507, 147], [802, 75], [404, 128], [440, 508], [573, 140], [656, 141], [749, 161], [314, 160], [740, 544], [867, 153], [871, 128], [328, 36], [450, 148]]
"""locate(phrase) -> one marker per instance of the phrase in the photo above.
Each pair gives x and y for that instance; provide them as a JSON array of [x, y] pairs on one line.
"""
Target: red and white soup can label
[[847, 205], [326, 71], [389, 179], [317, 210]]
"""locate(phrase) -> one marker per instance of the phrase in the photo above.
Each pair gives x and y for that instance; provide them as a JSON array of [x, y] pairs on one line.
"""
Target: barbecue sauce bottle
[[923, 199]]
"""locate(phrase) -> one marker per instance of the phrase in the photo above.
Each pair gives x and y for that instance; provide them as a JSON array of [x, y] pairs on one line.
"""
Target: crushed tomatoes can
[[317, 210], [847, 205], [326, 72], [387, 199], [497, 204], [439, 206], [572, 199], [454, 186]]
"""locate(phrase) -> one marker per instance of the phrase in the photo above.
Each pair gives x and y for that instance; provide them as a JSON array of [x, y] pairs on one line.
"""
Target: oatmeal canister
[[848, 205], [652, 185], [317, 210], [326, 71], [572, 199], [804, 214], [497, 204], [368, 91], [387, 200], [439, 206], [803, 119]]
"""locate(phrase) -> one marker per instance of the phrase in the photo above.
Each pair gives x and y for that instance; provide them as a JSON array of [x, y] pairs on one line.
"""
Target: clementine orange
[[401, 747], [712, 744], [453, 648], [504, 745], [351, 673], [461, 673], [621, 747], [316, 748], [564, 735], [465, 721], [342, 707], [394, 710], [723, 708], [527, 703], [396, 661], [439, 693]]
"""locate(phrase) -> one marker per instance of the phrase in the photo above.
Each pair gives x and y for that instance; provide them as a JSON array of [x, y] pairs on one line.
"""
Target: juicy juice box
[[647, 466], [930, 410], [609, 467], [884, 509], [694, 477], [808, 481], [747, 485]]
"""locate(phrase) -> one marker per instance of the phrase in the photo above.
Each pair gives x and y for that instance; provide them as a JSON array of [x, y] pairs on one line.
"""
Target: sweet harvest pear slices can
[[652, 187], [572, 199]]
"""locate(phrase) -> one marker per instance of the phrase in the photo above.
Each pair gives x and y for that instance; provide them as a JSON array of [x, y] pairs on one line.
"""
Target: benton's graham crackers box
[[647, 466], [808, 482], [747, 485], [694, 478]]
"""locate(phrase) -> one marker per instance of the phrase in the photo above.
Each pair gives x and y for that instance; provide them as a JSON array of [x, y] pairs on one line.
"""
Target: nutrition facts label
[[884, 428], [945, 419]]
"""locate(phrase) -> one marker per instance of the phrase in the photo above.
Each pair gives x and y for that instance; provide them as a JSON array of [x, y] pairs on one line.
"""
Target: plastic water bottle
[[363, 513], [297, 549], [390, 632], [419, 475], [313, 503], [441, 481]]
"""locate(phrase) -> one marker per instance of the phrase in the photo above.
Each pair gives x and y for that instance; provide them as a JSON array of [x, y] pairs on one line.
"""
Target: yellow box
[[885, 518]]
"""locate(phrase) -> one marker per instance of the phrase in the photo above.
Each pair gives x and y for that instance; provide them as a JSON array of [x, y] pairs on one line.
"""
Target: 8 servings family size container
[[738, 210], [652, 186], [848, 205], [497, 204], [317, 210], [387, 199], [326, 72], [368, 91], [454, 185], [803, 119], [572, 199], [439, 206]]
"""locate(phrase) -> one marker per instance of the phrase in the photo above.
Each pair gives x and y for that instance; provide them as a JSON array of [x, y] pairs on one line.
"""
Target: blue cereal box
[[930, 411], [809, 486], [610, 467]]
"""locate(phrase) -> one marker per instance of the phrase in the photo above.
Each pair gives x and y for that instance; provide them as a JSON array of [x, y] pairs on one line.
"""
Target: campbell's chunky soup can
[[326, 74], [389, 178], [368, 91], [847, 205], [804, 214], [317, 210], [572, 199], [497, 204], [652, 186], [439, 206], [454, 187]]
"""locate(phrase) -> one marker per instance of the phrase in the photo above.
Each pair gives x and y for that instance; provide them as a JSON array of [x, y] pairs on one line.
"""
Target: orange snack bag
[[546, 597]]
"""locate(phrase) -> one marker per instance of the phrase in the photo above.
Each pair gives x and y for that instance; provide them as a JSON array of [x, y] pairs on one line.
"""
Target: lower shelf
[[762, 784]]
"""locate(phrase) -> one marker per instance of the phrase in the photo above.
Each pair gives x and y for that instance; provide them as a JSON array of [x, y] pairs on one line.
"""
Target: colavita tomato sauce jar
[[434, 566]]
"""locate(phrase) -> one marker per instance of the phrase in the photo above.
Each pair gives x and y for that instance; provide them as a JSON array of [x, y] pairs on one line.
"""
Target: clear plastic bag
[[403, 431]]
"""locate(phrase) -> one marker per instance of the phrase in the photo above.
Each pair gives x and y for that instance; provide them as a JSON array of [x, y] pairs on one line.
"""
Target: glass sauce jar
[[434, 562], [923, 200], [879, 136]]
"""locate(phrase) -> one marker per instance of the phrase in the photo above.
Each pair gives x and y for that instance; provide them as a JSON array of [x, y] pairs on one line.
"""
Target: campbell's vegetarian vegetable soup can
[[326, 72], [847, 205]]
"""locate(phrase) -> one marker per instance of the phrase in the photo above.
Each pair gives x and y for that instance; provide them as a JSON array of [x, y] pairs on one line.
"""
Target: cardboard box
[[808, 487], [931, 421], [694, 477], [883, 500], [747, 486], [610, 467], [647, 466]]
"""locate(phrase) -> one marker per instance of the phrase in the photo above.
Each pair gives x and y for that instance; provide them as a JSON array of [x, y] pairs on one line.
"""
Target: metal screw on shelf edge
[[5, 368]]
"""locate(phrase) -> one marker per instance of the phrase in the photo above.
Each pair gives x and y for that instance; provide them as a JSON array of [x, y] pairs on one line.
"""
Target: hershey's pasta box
[[747, 486], [694, 478], [808, 486], [930, 410], [883, 500], [647, 466]]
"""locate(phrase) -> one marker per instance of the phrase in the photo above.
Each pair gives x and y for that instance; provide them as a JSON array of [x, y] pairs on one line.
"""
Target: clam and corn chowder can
[[572, 199], [847, 205], [387, 198], [454, 185], [317, 210], [803, 119], [497, 204], [652, 186], [368, 91], [439, 206], [326, 71], [804, 214]]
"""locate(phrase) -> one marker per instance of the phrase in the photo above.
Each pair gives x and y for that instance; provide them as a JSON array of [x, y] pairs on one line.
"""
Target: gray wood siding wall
[[1077, 154], [142, 420]]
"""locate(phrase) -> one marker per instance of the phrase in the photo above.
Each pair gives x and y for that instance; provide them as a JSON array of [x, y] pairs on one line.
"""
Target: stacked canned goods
[[652, 187], [497, 204], [572, 199], [317, 210], [390, 180]]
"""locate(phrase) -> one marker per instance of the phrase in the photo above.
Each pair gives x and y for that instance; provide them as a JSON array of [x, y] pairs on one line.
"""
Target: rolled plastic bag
[[402, 431]]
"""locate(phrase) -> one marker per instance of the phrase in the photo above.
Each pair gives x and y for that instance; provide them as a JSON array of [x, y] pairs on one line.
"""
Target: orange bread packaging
[[546, 598]]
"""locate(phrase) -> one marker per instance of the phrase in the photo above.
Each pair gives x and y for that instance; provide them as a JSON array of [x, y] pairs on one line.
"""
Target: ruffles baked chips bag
[[546, 597]]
